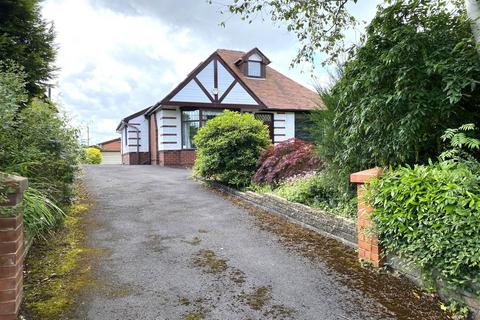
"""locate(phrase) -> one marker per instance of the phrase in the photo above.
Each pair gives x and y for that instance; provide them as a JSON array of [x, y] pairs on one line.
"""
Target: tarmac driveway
[[175, 250]]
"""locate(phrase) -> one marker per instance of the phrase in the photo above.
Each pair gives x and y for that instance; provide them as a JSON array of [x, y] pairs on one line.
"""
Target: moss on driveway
[[58, 266]]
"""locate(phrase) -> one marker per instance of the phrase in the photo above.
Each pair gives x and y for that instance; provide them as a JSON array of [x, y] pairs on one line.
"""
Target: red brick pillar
[[368, 246], [11, 246]]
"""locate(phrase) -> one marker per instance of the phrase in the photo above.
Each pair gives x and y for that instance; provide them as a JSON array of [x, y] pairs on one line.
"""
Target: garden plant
[[228, 147]]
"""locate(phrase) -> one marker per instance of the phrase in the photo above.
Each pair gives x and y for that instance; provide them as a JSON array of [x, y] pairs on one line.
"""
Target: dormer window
[[253, 64]]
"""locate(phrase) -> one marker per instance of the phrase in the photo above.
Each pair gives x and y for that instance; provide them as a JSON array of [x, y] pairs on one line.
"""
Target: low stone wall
[[320, 221]]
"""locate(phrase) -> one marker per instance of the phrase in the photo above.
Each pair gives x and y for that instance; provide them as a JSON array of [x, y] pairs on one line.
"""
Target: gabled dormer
[[253, 64]]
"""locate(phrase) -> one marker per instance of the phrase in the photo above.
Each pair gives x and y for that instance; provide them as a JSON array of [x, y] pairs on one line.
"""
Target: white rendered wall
[[283, 126], [141, 123], [122, 141], [169, 128]]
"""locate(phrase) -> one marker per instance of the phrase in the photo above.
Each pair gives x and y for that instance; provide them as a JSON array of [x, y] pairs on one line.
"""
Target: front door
[[267, 118]]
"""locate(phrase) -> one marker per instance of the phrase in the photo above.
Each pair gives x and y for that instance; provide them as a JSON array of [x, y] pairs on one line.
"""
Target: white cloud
[[112, 64], [117, 57]]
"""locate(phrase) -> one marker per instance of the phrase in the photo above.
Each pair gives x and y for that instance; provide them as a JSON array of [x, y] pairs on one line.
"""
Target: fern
[[461, 144]]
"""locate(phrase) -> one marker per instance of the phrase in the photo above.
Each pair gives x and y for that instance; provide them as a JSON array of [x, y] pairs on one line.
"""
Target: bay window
[[192, 120]]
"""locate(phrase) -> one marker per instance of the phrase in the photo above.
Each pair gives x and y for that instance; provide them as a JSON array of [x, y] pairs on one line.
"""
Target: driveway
[[173, 249]]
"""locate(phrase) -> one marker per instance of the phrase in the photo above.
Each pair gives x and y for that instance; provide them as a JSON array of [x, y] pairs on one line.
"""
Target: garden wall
[[12, 247], [320, 221]]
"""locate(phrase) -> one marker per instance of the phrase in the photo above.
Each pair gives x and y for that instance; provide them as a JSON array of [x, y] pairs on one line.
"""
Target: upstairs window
[[254, 66], [254, 69]]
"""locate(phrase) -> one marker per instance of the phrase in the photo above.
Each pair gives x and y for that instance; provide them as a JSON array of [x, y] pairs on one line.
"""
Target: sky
[[116, 57]]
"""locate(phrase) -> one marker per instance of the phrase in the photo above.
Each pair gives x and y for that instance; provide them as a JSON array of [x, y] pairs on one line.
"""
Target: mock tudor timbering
[[241, 81]]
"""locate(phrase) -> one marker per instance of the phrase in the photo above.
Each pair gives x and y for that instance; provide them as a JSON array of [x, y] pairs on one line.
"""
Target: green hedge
[[430, 214], [228, 148]]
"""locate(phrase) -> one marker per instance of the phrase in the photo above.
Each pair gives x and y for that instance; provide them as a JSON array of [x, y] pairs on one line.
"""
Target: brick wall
[[153, 139], [184, 158], [112, 145], [11, 248], [368, 246], [136, 158]]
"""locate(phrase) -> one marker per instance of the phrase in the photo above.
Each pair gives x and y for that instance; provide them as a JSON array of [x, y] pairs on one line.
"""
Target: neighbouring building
[[241, 81], [111, 151]]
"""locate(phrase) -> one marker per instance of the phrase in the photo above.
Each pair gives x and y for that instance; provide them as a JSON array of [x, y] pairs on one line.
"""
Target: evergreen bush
[[228, 148], [430, 215]]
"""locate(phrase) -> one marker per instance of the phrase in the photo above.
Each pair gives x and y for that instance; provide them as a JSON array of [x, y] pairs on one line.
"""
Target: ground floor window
[[267, 119], [303, 124], [192, 120]]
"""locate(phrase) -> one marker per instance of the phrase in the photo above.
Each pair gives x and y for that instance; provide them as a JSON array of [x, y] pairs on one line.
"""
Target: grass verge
[[57, 266]]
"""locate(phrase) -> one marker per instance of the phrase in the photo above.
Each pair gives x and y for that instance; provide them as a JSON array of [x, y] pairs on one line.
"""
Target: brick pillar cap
[[365, 175], [16, 186], [18, 183]]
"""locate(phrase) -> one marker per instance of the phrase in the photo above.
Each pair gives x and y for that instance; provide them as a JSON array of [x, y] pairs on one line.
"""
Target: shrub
[[45, 150], [315, 190], [41, 214], [92, 156], [286, 159], [228, 148], [430, 215], [38, 143]]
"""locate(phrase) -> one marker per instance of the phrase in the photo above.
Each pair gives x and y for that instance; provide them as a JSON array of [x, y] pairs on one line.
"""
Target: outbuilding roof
[[110, 145]]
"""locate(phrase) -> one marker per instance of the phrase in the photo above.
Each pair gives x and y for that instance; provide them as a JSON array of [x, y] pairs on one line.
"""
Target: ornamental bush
[[93, 156], [430, 214], [286, 159], [228, 148]]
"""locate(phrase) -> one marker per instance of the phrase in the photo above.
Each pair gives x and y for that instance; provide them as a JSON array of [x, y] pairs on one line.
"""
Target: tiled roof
[[130, 117], [276, 91], [110, 145]]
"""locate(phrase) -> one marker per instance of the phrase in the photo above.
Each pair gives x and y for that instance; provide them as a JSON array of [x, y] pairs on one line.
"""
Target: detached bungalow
[[241, 81]]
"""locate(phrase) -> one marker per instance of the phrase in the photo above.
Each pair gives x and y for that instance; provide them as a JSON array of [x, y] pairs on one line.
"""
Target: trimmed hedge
[[430, 214]]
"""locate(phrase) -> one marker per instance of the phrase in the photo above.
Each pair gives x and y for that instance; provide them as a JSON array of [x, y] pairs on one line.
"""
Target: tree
[[321, 25], [27, 40], [417, 74]]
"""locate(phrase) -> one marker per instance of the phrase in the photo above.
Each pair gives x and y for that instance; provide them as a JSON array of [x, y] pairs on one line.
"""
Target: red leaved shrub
[[286, 159]]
